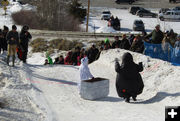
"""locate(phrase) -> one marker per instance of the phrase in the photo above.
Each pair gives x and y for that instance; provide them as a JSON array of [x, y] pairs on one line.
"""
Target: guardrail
[[76, 34]]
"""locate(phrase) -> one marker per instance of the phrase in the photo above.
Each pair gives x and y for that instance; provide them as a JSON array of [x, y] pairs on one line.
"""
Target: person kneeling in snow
[[85, 73], [128, 81]]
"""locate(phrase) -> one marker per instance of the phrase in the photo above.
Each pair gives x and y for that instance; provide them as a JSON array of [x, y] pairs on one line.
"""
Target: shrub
[[63, 44], [39, 45], [29, 18]]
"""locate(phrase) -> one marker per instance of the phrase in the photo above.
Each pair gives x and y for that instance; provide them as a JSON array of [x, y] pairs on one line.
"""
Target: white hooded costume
[[85, 74]]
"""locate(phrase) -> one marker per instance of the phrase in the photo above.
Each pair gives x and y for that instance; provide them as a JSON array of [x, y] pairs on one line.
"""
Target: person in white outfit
[[85, 73]]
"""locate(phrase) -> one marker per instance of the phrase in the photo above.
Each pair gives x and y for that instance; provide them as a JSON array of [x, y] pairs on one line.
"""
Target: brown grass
[[41, 45]]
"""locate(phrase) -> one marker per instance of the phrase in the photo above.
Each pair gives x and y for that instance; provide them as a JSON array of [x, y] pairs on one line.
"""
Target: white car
[[105, 15], [170, 15]]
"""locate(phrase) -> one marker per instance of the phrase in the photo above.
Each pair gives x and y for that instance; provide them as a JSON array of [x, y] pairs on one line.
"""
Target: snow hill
[[53, 93]]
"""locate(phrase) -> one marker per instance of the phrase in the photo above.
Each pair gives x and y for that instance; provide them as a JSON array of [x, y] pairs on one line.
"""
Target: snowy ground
[[58, 86], [34, 92], [53, 95], [127, 20]]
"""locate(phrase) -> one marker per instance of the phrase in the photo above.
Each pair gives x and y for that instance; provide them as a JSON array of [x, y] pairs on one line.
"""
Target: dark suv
[[163, 10], [124, 1], [142, 13], [134, 9], [174, 1], [138, 25]]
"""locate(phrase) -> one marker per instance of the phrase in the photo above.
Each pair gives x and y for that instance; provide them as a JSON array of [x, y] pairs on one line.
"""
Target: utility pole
[[87, 16]]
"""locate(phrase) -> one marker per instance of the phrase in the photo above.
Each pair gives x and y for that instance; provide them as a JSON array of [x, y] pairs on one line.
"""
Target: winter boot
[[8, 60], [134, 98], [127, 99], [13, 60]]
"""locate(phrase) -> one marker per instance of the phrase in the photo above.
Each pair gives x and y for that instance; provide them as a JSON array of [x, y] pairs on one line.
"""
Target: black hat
[[6, 28], [14, 27], [26, 28]]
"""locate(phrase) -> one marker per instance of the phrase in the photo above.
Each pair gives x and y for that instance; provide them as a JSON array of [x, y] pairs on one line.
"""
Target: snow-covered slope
[[58, 84], [15, 94]]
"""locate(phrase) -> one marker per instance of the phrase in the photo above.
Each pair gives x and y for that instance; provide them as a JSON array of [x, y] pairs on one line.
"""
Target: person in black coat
[[116, 43], [5, 31], [1, 40], [75, 55], [25, 36], [128, 81], [137, 45], [92, 53], [13, 42], [125, 43]]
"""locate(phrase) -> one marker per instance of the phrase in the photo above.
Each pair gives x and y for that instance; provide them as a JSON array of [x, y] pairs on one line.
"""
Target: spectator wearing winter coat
[[1, 40], [85, 73], [5, 31], [59, 60], [67, 60], [131, 38], [125, 43], [156, 35], [116, 43], [128, 80], [79, 58], [137, 45], [144, 34], [107, 44], [46, 62], [75, 55], [177, 50], [56, 60], [172, 37], [166, 43], [13, 42], [98, 55], [92, 53], [25, 36]]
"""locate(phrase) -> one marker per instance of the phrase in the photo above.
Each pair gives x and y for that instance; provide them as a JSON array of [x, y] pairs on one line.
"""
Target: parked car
[[105, 15], [124, 1], [177, 8], [138, 25], [134, 9], [163, 10], [142, 13], [171, 15], [174, 1]]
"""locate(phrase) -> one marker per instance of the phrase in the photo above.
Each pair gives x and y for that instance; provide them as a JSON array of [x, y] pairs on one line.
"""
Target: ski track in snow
[[15, 95]]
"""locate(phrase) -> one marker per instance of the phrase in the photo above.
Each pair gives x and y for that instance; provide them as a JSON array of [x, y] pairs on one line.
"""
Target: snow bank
[[16, 7], [106, 29], [159, 76], [15, 94]]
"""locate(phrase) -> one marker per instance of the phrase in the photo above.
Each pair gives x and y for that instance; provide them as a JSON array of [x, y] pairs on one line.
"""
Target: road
[[142, 3]]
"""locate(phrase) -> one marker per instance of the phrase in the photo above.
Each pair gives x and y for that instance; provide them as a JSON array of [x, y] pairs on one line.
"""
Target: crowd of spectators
[[133, 43]]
